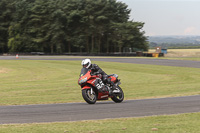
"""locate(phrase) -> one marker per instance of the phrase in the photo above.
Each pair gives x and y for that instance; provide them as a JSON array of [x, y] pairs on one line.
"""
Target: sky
[[166, 17]]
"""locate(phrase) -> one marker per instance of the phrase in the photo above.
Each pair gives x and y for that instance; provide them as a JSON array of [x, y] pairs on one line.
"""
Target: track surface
[[165, 62], [102, 110]]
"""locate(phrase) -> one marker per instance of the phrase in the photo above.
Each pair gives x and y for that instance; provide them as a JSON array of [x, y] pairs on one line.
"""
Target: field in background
[[181, 52], [46, 81]]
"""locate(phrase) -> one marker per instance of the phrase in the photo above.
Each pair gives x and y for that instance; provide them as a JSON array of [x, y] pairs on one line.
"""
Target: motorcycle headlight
[[82, 81]]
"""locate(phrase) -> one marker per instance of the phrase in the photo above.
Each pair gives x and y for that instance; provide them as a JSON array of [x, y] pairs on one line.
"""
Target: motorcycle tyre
[[116, 99], [86, 97]]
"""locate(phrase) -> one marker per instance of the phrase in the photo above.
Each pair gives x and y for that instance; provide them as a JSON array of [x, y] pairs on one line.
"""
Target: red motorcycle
[[92, 84]]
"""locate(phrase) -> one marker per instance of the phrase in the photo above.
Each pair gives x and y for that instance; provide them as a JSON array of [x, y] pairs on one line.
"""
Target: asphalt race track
[[165, 62], [102, 110]]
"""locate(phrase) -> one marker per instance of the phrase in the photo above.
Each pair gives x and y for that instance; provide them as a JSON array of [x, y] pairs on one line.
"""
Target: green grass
[[182, 123], [36, 82], [43, 82]]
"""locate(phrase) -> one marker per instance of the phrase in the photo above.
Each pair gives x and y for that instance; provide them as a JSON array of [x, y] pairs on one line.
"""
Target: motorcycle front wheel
[[89, 96], [118, 98]]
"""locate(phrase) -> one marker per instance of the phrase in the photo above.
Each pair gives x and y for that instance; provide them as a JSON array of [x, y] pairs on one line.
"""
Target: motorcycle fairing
[[86, 87], [99, 84], [112, 78], [103, 95]]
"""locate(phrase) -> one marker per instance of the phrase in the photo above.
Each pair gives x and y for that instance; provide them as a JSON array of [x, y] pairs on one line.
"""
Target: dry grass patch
[[180, 52], [183, 53], [4, 70]]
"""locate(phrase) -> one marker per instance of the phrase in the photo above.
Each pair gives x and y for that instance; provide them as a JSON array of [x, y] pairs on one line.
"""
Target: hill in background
[[174, 41]]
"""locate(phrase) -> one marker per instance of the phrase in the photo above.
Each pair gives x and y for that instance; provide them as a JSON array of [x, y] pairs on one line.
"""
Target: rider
[[86, 63]]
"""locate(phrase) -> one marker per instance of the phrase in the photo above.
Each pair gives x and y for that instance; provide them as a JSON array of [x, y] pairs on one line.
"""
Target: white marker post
[[17, 56]]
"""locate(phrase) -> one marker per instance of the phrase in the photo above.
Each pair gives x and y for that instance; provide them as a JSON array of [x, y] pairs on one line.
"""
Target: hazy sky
[[166, 17]]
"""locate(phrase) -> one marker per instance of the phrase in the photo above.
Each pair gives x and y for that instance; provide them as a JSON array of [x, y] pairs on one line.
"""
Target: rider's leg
[[114, 87]]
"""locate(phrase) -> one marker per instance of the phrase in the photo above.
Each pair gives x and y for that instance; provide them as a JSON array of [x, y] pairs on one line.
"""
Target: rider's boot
[[114, 88], [110, 91]]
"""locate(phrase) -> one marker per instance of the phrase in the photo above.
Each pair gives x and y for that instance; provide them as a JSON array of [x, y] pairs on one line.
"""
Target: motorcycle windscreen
[[83, 71]]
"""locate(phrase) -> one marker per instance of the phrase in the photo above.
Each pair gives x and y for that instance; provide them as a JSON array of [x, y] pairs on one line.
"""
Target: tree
[[58, 26], [6, 14], [19, 38]]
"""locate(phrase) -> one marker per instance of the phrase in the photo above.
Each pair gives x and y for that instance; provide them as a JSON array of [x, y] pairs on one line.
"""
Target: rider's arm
[[97, 69]]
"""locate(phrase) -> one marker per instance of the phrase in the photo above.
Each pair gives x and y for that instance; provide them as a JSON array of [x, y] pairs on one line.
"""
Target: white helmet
[[86, 63]]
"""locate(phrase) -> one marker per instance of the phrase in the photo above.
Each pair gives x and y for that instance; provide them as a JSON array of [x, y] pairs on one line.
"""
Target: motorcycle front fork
[[91, 91]]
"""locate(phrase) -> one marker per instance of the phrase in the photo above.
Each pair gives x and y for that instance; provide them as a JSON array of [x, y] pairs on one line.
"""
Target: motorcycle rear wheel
[[88, 97], [118, 98]]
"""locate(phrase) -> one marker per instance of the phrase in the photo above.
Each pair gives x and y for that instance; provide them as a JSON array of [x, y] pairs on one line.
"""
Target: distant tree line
[[58, 26], [175, 42], [184, 47], [175, 45]]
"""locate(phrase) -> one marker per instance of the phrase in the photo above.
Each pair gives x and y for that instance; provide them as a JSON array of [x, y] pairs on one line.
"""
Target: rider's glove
[[92, 68], [97, 73]]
